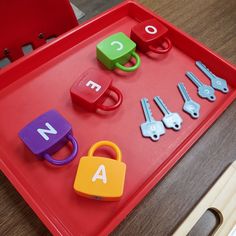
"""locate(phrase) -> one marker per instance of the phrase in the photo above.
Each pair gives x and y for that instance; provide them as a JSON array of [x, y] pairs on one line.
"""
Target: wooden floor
[[213, 23]]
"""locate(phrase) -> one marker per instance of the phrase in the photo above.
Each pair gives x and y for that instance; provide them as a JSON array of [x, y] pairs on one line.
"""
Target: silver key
[[151, 128], [171, 120], [216, 82], [204, 90], [190, 106]]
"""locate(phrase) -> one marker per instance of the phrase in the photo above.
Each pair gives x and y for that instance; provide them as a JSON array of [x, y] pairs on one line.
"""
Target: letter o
[[150, 29]]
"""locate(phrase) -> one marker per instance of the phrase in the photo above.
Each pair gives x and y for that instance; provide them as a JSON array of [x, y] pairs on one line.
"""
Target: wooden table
[[213, 23]]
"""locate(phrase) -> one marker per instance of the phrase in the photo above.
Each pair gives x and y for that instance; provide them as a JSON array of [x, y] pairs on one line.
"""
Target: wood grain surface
[[220, 199], [213, 23]]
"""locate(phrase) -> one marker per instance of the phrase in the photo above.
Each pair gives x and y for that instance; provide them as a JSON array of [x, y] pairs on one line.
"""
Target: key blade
[[205, 70], [162, 105], [194, 79], [147, 110], [183, 92]]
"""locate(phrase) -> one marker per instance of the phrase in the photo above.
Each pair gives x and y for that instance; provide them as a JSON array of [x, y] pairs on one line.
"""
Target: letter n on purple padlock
[[47, 134], [92, 88]]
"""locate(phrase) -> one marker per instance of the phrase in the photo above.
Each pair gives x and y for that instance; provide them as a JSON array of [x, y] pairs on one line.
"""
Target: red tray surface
[[42, 81]]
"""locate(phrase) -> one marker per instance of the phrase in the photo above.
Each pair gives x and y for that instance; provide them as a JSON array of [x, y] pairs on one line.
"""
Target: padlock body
[[90, 89], [148, 33], [46, 134], [109, 187], [116, 48]]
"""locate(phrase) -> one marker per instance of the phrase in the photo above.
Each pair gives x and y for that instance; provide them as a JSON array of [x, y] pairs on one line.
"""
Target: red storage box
[[32, 23]]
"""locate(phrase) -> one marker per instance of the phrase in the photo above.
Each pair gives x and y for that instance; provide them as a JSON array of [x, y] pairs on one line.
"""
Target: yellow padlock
[[101, 178]]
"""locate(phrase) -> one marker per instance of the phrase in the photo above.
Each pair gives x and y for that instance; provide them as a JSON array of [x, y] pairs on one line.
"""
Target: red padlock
[[151, 35], [91, 90]]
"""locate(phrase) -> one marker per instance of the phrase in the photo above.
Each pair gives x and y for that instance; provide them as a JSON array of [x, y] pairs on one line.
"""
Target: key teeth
[[150, 112], [162, 106], [183, 91], [146, 109], [145, 100], [149, 107], [194, 79]]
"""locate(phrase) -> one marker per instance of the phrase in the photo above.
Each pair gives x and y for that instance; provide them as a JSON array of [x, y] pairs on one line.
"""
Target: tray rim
[[48, 218]]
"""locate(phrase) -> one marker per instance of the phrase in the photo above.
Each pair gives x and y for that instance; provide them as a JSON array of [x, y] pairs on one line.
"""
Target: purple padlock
[[47, 134]]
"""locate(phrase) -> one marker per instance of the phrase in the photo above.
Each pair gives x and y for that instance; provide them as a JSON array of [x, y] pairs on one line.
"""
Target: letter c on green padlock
[[116, 50]]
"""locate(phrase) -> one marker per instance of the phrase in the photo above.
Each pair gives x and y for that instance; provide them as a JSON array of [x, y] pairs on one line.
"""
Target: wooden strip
[[222, 199]]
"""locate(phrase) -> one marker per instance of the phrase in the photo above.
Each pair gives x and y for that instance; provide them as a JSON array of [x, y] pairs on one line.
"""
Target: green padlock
[[117, 50]]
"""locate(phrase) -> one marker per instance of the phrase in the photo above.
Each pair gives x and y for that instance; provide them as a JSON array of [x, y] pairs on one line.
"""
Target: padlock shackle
[[117, 103], [108, 144], [131, 68], [68, 159], [164, 49]]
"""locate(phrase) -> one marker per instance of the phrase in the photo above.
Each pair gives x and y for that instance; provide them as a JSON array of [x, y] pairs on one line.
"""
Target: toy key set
[[98, 177], [154, 129]]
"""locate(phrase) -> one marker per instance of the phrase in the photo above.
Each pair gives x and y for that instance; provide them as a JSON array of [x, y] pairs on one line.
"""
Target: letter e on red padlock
[[92, 89]]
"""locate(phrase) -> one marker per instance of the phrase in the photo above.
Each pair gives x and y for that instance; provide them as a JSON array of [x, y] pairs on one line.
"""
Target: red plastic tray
[[41, 81]]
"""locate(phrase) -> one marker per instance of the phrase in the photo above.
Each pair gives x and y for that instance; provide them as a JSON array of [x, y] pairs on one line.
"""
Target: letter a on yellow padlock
[[101, 178]]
